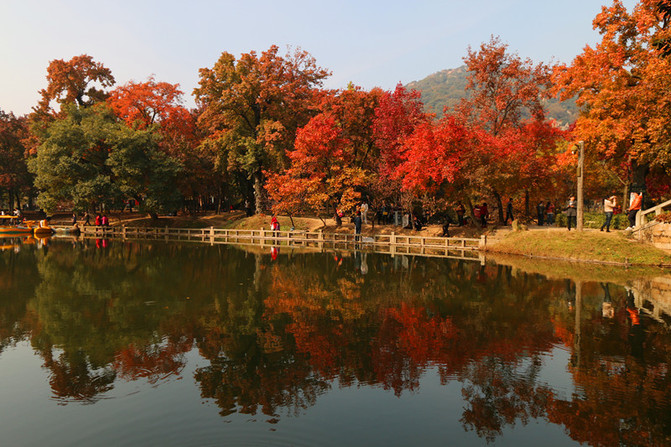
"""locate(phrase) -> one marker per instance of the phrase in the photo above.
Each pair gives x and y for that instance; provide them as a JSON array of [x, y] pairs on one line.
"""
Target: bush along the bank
[[596, 220], [664, 217]]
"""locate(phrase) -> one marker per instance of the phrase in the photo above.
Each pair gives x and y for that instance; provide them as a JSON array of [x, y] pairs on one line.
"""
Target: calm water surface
[[111, 343]]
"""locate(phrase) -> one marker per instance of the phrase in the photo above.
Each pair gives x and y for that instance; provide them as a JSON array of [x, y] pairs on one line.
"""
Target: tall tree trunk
[[499, 204], [639, 173], [625, 197], [259, 193], [527, 211], [10, 198], [469, 205], [224, 204], [337, 216]]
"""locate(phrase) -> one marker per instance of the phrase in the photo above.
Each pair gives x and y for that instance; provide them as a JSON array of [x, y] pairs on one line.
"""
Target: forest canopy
[[267, 136]]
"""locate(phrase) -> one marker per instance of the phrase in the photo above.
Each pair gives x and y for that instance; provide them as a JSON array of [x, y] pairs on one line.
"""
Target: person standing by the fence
[[634, 208], [274, 225], [572, 213], [461, 210], [509, 211], [484, 214], [550, 213], [609, 205], [540, 210], [357, 226], [364, 212]]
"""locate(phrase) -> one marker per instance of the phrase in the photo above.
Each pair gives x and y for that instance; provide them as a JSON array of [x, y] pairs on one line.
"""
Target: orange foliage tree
[[251, 108], [323, 173], [621, 86], [506, 101], [158, 105], [334, 159], [80, 80]]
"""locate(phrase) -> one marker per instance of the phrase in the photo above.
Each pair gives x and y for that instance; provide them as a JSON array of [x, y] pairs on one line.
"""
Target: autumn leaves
[[266, 132]]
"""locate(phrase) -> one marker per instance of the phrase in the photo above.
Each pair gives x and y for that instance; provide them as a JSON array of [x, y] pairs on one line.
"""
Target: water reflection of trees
[[278, 334], [17, 268], [620, 366], [474, 324]]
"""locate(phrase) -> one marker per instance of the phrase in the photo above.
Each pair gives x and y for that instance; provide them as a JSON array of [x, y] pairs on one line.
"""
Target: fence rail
[[431, 246], [642, 222]]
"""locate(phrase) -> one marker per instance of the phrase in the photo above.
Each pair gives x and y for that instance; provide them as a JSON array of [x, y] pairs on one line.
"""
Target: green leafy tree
[[144, 172], [89, 159], [15, 179]]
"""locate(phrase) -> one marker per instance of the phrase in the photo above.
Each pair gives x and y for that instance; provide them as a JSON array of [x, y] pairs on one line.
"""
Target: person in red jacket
[[484, 214], [634, 208]]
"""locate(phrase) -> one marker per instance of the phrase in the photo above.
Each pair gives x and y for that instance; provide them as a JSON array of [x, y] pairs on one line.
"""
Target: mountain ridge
[[445, 88]]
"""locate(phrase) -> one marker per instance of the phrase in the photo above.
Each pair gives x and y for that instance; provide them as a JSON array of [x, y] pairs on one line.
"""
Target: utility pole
[[581, 210]]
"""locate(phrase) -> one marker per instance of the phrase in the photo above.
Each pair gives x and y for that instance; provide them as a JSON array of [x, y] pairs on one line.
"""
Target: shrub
[[664, 217]]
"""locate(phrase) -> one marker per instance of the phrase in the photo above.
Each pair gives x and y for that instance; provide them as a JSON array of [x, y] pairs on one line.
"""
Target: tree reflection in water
[[280, 331]]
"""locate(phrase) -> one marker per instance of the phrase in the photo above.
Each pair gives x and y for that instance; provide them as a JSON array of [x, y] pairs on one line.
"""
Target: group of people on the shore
[[546, 213], [610, 208], [101, 220]]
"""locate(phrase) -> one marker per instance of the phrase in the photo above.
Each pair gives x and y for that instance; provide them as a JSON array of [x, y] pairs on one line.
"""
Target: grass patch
[[581, 246]]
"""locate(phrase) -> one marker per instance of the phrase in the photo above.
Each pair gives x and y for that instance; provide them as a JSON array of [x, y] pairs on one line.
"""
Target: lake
[[105, 342]]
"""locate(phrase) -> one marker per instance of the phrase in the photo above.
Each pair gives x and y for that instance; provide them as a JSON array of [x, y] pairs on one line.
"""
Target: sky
[[369, 43]]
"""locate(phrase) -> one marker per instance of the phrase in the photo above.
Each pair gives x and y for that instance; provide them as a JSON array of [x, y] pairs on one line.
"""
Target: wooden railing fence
[[642, 222], [460, 248]]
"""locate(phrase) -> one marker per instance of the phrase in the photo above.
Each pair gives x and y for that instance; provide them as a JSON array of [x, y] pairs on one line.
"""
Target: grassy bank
[[578, 271], [580, 246]]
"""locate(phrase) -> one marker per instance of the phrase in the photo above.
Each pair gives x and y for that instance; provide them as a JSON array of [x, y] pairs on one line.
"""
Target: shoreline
[[543, 243]]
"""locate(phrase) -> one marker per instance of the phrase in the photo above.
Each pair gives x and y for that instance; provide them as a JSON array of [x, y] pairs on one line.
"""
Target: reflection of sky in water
[[555, 372]]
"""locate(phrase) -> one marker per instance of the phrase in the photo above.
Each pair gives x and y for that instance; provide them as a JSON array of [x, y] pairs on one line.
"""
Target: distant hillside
[[447, 87]]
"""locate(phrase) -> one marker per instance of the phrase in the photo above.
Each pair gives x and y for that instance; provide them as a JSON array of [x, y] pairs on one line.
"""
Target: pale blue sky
[[371, 43]]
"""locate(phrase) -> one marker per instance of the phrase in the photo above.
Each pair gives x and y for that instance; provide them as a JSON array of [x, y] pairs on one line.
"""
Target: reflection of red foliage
[[323, 348], [154, 362], [563, 333], [74, 380], [421, 337]]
